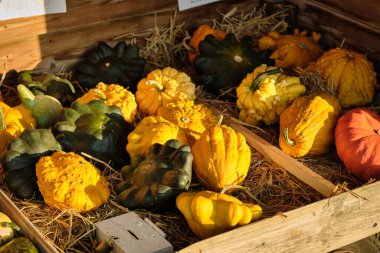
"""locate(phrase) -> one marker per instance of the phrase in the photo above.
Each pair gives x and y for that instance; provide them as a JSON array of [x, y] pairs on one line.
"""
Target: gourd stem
[[220, 119], [3, 124], [101, 94], [287, 140], [26, 96], [377, 131], [238, 58], [186, 46], [155, 83], [256, 83]]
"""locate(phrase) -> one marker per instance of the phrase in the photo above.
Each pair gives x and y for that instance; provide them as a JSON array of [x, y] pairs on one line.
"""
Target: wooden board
[[319, 227]]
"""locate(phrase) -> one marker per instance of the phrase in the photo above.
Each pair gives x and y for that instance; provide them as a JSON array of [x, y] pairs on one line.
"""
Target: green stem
[[287, 140], [16, 229], [26, 96], [155, 83], [256, 83], [3, 124]]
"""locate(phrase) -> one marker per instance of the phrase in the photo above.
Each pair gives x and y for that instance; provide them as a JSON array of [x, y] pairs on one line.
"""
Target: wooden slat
[[296, 168], [319, 227], [11, 210]]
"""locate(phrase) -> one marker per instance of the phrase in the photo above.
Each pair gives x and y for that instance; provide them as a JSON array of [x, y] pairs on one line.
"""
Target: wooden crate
[[54, 41]]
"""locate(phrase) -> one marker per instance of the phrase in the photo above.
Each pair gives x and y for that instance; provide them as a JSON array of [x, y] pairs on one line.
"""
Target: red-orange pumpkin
[[357, 141]]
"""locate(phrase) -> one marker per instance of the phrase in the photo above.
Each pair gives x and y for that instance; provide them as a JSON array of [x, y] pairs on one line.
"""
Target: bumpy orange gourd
[[13, 122], [199, 34], [307, 125], [113, 94], [221, 157], [151, 130], [192, 118], [357, 142], [350, 74], [67, 180], [162, 87], [210, 213], [292, 50]]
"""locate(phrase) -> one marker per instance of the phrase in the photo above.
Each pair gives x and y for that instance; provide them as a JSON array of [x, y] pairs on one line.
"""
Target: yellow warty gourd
[[67, 180], [209, 213], [265, 93]]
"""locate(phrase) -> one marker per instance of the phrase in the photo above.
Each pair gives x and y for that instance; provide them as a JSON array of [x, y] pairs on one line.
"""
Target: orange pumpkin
[[357, 141]]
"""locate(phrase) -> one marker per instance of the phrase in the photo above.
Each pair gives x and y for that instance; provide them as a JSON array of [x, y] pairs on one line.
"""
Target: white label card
[[10, 9], [187, 4]]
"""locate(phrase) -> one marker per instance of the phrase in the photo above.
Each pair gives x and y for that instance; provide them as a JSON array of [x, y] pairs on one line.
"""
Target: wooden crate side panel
[[57, 39], [319, 227]]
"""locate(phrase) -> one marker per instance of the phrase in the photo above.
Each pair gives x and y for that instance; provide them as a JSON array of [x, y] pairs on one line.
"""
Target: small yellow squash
[[210, 213], [113, 94], [13, 122], [265, 93], [221, 157], [162, 87], [151, 130], [307, 125], [67, 180], [192, 118], [350, 74]]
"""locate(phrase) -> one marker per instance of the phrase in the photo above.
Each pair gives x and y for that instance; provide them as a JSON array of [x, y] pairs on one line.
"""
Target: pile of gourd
[[55, 143]]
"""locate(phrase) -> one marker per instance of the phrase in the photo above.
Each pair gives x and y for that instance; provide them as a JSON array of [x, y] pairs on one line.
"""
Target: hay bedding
[[275, 189]]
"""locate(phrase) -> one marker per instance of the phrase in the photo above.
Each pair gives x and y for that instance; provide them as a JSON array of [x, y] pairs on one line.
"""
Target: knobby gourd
[[265, 93], [162, 87], [68, 181], [307, 125]]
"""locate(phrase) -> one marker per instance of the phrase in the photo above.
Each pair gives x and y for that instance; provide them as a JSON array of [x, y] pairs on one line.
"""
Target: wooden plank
[[11, 210], [319, 227], [296, 168]]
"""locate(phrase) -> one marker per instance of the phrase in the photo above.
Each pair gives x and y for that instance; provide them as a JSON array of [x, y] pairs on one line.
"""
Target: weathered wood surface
[[319, 227], [55, 40]]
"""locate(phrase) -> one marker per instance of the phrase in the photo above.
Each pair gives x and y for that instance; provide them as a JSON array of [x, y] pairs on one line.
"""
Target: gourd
[[19, 244], [357, 136], [96, 129], [113, 94], [151, 130], [154, 183], [68, 181], [120, 64], [192, 118], [8, 229], [198, 35], [265, 93], [12, 124], [45, 109], [221, 157], [292, 50], [49, 84], [307, 125], [161, 87], [21, 157], [224, 63], [209, 213], [350, 74]]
